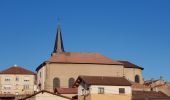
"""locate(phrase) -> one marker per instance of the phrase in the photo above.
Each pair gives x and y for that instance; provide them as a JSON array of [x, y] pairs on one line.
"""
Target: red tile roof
[[128, 64], [76, 57], [66, 90], [149, 95], [149, 82], [42, 91], [7, 95], [17, 70], [80, 58], [102, 80]]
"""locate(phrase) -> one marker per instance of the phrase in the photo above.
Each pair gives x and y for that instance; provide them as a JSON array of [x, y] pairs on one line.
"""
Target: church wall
[[66, 71], [41, 77], [131, 72]]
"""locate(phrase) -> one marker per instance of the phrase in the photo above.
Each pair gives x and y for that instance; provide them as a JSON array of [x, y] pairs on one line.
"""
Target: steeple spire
[[58, 47]]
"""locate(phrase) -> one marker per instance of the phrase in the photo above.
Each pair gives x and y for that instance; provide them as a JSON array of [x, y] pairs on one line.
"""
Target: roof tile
[[76, 57], [66, 90], [149, 95], [104, 80], [17, 70], [128, 64]]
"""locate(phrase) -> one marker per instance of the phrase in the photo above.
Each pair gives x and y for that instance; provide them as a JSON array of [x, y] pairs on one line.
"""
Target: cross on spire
[[58, 47]]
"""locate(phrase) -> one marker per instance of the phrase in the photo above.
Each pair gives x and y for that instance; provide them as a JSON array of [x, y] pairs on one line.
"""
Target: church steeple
[[58, 47]]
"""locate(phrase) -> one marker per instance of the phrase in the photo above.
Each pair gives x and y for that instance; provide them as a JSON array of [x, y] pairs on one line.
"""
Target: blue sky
[[133, 30]]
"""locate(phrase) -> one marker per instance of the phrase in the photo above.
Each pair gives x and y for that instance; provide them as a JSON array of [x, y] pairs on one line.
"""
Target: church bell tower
[[58, 47]]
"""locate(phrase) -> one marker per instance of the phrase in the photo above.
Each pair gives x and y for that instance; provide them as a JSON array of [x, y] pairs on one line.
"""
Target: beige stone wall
[[88, 97], [46, 96], [32, 98], [131, 72], [110, 89], [41, 76], [17, 86], [69, 95], [106, 97], [66, 71]]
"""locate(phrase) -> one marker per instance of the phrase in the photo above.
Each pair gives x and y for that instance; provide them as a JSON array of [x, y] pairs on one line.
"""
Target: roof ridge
[[17, 70], [80, 58]]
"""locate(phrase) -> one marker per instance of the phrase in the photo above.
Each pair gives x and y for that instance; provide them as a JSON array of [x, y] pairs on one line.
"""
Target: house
[[103, 88], [158, 85], [45, 95], [16, 81], [72, 64], [153, 83], [140, 87]]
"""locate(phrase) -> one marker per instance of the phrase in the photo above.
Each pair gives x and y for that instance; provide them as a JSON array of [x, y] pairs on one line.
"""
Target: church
[[62, 68]]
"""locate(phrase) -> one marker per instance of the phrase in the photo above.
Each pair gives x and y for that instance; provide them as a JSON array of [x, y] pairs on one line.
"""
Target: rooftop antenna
[[15, 65], [161, 77], [58, 20]]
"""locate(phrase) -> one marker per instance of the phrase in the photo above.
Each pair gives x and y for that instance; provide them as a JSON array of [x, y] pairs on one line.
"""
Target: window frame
[[7, 87], [101, 90], [26, 86], [56, 82], [40, 75], [71, 82], [137, 79], [17, 78], [7, 79], [26, 79], [121, 90]]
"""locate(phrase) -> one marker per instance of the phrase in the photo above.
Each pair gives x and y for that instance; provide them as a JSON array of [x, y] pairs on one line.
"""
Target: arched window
[[137, 79], [56, 82], [71, 82]]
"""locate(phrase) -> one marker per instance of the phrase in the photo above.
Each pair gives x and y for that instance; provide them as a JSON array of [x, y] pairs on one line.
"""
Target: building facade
[[158, 85], [17, 81], [103, 88]]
